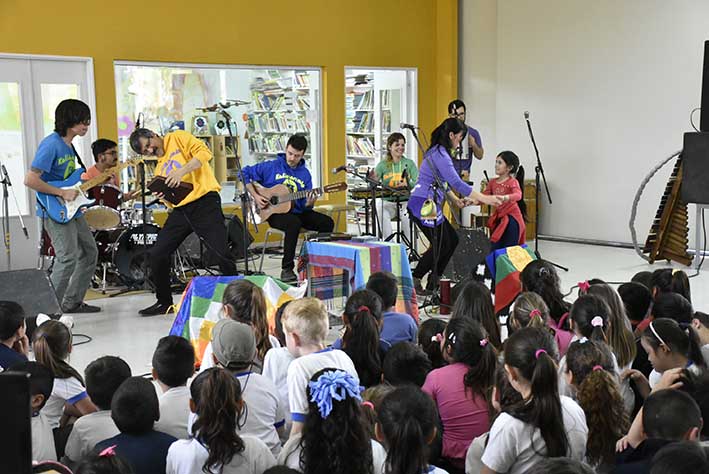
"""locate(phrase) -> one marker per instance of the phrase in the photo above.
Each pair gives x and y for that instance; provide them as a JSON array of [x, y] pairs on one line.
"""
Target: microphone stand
[[6, 183], [372, 184], [538, 172], [246, 210]]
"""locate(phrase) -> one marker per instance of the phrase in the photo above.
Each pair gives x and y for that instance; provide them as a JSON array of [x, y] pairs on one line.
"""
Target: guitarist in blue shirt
[[74, 245], [289, 169]]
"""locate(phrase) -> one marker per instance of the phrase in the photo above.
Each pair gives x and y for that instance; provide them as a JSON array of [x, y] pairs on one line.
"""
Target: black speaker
[[473, 247], [235, 230], [695, 168], [32, 289]]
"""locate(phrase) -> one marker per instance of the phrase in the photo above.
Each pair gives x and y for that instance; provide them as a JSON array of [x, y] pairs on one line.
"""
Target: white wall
[[609, 85]]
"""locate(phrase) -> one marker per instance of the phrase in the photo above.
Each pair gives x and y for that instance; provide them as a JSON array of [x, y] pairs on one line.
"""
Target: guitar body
[[281, 198], [275, 206], [60, 210]]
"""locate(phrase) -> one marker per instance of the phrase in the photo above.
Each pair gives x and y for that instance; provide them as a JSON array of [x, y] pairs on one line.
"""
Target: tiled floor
[[119, 330]]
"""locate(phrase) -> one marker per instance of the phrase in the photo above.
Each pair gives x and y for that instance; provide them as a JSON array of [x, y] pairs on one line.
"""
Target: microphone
[[408, 125], [236, 102], [526, 115], [6, 175], [223, 105], [486, 176], [339, 168]]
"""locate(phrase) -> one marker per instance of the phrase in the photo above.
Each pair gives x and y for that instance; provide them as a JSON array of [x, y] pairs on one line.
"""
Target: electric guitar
[[280, 198], [63, 211]]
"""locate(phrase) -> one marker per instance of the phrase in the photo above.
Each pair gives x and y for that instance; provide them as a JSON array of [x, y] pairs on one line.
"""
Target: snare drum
[[104, 215]]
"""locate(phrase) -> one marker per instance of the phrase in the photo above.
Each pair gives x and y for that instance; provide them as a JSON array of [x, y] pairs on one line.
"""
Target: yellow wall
[[330, 34]]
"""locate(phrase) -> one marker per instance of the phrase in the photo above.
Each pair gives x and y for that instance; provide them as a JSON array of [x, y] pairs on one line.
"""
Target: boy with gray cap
[[234, 347]]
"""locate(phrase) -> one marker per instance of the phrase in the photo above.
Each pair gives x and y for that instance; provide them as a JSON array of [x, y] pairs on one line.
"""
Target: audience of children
[[103, 377], [216, 445], [173, 365], [553, 395], [263, 417]]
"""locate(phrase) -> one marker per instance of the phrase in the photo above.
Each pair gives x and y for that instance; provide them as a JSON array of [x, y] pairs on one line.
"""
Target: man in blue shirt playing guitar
[[74, 245]]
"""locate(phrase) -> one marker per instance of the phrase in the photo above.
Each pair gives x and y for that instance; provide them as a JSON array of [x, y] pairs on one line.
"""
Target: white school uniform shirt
[[303, 368], [655, 376], [264, 412], [42, 439], [515, 446], [473, 457], [275, 368], [208, 360], [187, 456], [88, 431], [67, 390], [290, 455], [174, 412]]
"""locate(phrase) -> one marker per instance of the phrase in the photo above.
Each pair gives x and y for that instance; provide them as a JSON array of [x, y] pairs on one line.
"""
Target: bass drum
[[130, 249]]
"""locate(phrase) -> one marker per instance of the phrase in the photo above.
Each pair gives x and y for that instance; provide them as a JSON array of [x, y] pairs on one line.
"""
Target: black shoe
[[157, 308], [288, 276], [81, 308]]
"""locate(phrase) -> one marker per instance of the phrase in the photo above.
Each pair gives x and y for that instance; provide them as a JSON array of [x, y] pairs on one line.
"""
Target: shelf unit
[[283, 103]]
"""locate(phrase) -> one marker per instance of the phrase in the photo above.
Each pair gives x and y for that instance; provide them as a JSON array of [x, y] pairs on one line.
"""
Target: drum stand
[[399, 235]]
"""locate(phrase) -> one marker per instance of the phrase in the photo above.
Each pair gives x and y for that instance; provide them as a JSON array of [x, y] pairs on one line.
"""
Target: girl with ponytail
[[216, 447], [543, 424], [590, 372], [540, 277], [363, 320], [530, 310], [52, 346], [407, 427], [462, 389], [334, 438], [669, 345], [506, 223], [245, 302], [668, 280]]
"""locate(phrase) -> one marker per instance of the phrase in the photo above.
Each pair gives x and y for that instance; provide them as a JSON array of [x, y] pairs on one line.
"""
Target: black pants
[[203, 217], [447, 242], [291, 223], [509, 238]]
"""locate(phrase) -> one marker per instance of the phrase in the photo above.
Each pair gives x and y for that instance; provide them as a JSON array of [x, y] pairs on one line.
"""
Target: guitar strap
[[78, 158]]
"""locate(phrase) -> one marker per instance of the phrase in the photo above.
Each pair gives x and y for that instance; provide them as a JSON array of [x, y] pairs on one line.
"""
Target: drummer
[[398, 172], [106, 156]]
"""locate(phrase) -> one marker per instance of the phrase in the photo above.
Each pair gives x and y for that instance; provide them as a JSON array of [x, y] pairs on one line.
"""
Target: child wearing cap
[[305, 324], [234, 346]]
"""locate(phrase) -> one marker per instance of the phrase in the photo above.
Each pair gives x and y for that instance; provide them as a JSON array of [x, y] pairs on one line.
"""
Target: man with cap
[[234, 346]]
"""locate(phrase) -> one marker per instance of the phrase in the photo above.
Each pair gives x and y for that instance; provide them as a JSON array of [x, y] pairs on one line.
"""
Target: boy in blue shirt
[[74, 245], [396, 327], [289, 169]]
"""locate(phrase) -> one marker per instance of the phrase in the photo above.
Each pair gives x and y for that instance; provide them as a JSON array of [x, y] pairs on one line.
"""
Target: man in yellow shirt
[[183, 158]]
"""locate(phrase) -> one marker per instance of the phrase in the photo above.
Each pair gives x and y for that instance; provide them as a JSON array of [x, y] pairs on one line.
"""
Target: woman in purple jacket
[[425, 205]]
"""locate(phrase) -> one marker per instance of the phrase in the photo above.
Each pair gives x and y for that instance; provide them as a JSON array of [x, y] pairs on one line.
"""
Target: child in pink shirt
[[462, 389]]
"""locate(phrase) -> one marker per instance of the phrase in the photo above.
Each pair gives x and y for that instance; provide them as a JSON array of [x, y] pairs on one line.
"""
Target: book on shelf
[[360, 146], [364, 100], [302, 79]]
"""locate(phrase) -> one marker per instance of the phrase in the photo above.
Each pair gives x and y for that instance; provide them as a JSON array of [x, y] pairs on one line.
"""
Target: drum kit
[[119, 236]]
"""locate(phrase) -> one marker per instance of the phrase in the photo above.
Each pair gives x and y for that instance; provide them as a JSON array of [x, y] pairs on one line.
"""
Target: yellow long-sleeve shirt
[[181, 147]]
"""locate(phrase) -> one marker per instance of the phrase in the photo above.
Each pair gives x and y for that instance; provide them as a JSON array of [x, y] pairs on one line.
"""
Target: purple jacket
[[440, 159]]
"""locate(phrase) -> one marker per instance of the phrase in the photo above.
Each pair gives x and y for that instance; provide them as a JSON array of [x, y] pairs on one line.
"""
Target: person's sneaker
[[157, 308], [288, 276], [81, 308]]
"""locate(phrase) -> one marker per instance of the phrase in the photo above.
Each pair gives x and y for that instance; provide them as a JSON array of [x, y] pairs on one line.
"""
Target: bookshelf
[[283, 103]]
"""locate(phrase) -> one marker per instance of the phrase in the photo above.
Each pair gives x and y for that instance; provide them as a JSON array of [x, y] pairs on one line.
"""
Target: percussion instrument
[[129, 251], [104, 215], [366, 193]]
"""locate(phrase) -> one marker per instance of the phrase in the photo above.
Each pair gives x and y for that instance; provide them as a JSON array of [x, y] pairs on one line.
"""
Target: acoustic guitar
[[280, 198], [63, 211]]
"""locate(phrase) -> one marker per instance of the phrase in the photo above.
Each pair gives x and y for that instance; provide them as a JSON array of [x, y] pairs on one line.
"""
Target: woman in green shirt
[[390, 172]]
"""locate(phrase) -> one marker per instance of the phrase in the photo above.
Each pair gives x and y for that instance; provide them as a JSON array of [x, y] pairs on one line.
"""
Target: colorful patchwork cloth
[[336, 269], [505, 266], [201, 304]]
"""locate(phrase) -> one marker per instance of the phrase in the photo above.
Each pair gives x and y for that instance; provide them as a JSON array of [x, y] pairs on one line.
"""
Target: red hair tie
[[539, 352], [597, 367], [535, 312], [108, 452], [363, 308], [368, 404], [584, 285]]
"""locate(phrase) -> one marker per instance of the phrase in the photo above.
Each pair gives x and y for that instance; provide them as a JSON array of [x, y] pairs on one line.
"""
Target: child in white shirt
[[103, 377], [173, 365], [305, 323], [216, 400]]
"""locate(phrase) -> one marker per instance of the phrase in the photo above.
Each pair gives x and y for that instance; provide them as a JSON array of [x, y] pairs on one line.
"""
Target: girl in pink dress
[[507, 221]]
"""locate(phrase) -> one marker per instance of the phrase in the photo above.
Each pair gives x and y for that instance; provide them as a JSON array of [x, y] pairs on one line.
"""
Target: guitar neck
[[86, 185], [299, 194]]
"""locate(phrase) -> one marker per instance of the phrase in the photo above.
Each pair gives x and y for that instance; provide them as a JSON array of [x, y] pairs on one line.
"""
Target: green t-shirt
[[389, 173]]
